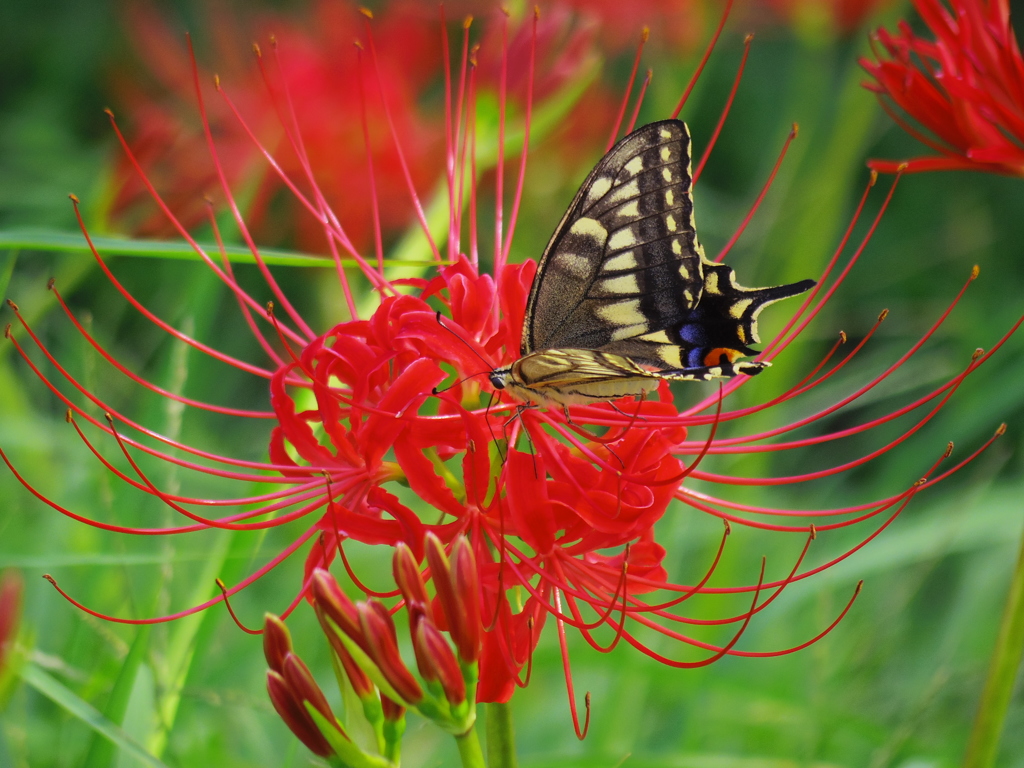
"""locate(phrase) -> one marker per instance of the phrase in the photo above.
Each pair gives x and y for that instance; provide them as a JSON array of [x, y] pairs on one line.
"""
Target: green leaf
[[102, 751], [87, 713], [74, 242]]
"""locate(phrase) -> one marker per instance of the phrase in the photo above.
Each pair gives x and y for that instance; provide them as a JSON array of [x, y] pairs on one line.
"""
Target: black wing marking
[[625, 260]]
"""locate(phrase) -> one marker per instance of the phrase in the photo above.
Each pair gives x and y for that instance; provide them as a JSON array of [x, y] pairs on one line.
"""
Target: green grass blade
[[102, 752], [64, 697], [74, 242], [983, 747], [7, 261]]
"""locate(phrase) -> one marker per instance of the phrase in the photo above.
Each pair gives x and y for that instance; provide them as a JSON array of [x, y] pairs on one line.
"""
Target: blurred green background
[[896, 684]]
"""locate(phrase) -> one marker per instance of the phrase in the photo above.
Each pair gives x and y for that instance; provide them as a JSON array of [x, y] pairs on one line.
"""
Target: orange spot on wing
[[714, 357]]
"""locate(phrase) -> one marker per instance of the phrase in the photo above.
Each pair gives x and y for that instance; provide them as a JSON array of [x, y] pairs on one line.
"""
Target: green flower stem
[[469, 750], [501, 743], [995, 699]]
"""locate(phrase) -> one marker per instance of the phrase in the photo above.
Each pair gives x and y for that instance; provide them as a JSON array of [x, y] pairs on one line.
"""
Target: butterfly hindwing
[[625, 260]]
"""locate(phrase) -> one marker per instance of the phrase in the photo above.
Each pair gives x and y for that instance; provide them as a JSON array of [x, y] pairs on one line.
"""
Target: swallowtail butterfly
[[624, 296]]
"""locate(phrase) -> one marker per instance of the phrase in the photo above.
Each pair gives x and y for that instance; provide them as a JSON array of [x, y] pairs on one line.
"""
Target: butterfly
[[624, 297]]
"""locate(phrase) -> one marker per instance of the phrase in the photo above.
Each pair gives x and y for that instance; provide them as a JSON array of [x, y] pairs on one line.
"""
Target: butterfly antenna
[[468, 345], [436, 391]]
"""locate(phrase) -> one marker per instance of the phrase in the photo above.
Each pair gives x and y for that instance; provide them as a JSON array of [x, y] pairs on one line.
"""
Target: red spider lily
[[965, 87], [560, 509]]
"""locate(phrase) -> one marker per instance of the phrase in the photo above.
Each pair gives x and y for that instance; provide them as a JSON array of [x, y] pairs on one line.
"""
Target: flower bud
[[300, 681], [277, 641], [409, 580], [382, 641], [466, 586], [295, 716], [440, 574], [393, 711], [11, 588], [360, 681], [437, 662], [337, 606]]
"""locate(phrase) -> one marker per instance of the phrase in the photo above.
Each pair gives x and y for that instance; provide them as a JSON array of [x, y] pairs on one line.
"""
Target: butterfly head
[[500, 377]]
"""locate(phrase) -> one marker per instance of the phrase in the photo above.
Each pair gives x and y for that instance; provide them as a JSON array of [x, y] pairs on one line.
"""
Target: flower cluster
[[965, 87], [543, 514]]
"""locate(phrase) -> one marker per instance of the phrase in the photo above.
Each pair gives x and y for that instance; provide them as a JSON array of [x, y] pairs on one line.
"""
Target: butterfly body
[[624, 296]]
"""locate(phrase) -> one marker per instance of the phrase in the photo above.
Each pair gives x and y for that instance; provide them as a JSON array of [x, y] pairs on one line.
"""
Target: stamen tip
[[645, 34], [50, 282], [975, 270], [7, 331], [883, 314], [109, 112], [50, 579], [12, 305], [748, 38], [977, 353], [860, 586], [506, 11], [273, 41], [536, 12], [814, 532], [109, 418], [842, 337], [69, 417], [874, 178], [728, 527], [467, 22], [1001, 430], [257, 50], [366, 12], [949, 450], [358, 44], [794, 131], [74, 198], [216, 81], [902, 167]]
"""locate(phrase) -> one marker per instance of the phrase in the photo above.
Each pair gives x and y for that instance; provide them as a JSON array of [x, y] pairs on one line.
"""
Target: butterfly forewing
[[624, 261]]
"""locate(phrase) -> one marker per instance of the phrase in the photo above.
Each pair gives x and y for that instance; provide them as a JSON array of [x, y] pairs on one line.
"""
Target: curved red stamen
[[629, 87]]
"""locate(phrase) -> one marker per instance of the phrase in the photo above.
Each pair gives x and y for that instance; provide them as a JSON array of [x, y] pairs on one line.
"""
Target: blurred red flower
[[965, 87], [839, 16]]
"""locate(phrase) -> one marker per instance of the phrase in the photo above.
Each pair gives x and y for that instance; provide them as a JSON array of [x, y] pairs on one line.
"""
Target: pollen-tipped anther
[[74, 198], [467, 22], [257, 50], [366, 12], [814, 532], [874, 178], [69, 416], [12, 305], [842, 337], [883, 314], [977, 353], [216, 81], [748, 38], [975, 270], [7, 331], [109, 112], [949, 450], [1001, 430], [794, 131]]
